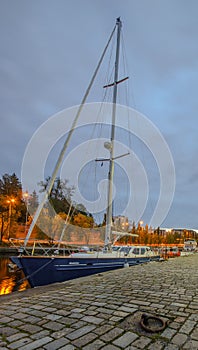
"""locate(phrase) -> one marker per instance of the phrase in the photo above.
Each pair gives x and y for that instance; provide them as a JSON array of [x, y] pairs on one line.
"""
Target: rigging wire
[[139, 126], [98, 126], [61, 155], [128, 93]]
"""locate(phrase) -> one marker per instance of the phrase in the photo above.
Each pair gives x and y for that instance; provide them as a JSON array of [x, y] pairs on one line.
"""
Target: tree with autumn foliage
[[61, 194], [10, 204], [60, 199], [83, 220], [13, 206]]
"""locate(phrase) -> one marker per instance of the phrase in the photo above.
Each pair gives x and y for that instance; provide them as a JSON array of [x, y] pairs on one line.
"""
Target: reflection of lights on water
[[10, 282], [8, 285], [23, 286]]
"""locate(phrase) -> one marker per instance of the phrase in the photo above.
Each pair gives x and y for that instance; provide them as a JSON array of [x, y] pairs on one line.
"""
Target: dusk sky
[[50, 48]]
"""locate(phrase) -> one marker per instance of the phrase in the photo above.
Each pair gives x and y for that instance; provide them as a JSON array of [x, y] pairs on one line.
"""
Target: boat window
[[136, 251], [115, 249], [125, 250], [143, 250]]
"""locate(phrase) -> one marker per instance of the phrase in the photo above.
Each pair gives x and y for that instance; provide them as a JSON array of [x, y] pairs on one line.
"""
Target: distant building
[[121, 222], [183, 232]]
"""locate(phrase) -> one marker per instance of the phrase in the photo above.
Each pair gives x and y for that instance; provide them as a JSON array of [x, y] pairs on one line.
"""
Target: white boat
[[190, 247]]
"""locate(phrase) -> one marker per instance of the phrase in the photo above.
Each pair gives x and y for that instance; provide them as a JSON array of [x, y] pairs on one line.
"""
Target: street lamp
[[10, 201], [26, 196], [140, 230], [140, 226]]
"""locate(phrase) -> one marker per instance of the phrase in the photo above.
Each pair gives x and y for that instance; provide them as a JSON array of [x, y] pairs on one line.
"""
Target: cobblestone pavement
[[104, 311]]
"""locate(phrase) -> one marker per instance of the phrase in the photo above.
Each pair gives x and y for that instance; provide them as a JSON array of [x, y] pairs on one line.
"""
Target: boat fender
[[12, 267], [126, 264]]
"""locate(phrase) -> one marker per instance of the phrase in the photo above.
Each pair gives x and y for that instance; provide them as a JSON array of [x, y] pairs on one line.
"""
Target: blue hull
[[46, 270]]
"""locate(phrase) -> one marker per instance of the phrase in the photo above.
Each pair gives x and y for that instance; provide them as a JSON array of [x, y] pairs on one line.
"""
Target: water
[[11, 281]]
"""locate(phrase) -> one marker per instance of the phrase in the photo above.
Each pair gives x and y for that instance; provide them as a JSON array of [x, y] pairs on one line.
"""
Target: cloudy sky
[[49, 49]]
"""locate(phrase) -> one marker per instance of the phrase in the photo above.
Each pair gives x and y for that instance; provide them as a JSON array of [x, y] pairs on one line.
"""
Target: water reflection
[[11, 281]]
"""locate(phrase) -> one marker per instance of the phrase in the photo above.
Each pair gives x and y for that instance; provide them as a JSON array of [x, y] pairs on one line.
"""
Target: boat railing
[[35, 247], [48, 248]]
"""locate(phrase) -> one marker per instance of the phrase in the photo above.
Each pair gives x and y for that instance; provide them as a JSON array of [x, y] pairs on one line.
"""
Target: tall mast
[[111, 148]]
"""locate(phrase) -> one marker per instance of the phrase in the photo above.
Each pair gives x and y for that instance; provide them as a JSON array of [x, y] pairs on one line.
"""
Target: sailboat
[[44, 270]]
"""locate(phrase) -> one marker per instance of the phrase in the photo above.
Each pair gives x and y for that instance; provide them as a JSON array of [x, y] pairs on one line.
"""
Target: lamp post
[[140, 226], [140, 229], [26, 196], [10, 202]]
